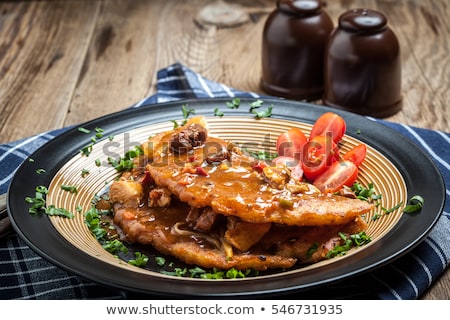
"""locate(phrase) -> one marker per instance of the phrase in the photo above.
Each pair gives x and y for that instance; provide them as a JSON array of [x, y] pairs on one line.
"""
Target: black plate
[[417, 169]]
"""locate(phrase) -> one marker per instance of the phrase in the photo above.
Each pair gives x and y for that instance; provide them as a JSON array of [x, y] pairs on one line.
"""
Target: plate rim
[[282, 110]]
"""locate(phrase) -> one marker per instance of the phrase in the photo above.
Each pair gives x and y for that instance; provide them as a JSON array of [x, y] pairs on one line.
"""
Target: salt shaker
[[294, 39], [363, 65]]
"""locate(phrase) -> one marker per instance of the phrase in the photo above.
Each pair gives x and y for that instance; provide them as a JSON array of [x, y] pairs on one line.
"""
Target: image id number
[[307, 309]]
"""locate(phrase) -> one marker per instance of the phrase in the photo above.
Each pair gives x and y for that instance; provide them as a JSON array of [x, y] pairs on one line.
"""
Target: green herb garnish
[[38, 202], [93, 222], [99, 133], [186, 112], [414, 205], [261, 155], [39, 205], [363, 193], [140, 260], [254, 106], [312, 249], [353, 240], [114, 246], [126, 163], [71, 189], [218, 113], [84, 172], [160, 261], [51, 210], [234, 104], [87, 150], [84, 130]]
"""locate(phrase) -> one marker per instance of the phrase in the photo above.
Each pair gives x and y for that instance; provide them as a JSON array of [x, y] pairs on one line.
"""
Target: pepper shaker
[[294, 39], [362, 65]]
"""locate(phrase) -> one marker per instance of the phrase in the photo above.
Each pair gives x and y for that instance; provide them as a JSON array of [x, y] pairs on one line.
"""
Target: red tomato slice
[[291, 163], [329, 123], [318, 155], [341, 173], [356, 155], [290, 143]]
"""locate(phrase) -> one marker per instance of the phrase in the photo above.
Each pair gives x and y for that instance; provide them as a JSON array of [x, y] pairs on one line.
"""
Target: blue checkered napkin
[[25, 275]]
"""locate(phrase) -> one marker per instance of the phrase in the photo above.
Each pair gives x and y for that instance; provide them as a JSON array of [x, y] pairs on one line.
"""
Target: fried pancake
[[280, 247], [233, 187]]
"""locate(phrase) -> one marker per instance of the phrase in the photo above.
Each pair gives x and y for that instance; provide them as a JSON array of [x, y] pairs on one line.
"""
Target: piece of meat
[[191, 136], [159, 197], [243, 235], [127, 192]]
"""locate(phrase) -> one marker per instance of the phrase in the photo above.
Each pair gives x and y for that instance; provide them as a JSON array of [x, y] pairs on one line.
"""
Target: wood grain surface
[[66, 62]]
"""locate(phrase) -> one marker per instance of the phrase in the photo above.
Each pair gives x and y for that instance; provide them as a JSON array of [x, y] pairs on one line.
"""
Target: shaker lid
[[362, 20], [303, 7]]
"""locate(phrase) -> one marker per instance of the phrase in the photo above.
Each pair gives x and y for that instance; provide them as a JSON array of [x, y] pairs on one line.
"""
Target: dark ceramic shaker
[[294, 39], [362, 65]]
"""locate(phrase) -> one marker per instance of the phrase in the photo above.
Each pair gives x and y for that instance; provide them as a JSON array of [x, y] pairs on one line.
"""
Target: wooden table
[[66, 62]]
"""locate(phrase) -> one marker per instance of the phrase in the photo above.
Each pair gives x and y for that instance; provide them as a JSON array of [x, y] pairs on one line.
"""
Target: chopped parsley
[[233, 104], [312, 249], [84, 130], [51, 210], [84, 172], [39, 205], [254, 108], [261, 154], [218, 112], [215, 273], [256, 104], [186, 112], [99, 133], [114, 246], [71, 189], [363, 193], [160, 261], [351, 241], [126, 163], [414, 205], [38, 202], [87, 150], [140, 260], [95, 224]]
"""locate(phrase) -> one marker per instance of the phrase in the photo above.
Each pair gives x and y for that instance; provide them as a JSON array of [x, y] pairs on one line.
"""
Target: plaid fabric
[[25, 275]]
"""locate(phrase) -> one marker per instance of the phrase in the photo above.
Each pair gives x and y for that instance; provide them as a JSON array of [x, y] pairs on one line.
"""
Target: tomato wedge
[[319, 153], [356, 154], [329, 123], [341, 173], [290, 143]]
